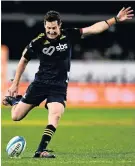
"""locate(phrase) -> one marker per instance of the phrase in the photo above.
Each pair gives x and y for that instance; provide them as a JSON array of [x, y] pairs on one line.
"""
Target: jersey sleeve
[[74, 34], [29, 51]]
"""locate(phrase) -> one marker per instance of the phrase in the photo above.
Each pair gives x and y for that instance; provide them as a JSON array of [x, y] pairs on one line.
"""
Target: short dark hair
[[52, 16]]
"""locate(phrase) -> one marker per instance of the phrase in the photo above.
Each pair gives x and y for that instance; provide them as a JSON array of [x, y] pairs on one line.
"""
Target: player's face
[[52, 29]]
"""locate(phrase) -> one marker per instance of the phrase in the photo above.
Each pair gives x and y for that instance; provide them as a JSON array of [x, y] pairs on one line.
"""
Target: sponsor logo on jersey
[[61, 47], [50, 50]]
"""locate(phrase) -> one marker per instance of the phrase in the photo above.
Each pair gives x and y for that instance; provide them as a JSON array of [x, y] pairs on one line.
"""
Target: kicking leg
[[20, 110]]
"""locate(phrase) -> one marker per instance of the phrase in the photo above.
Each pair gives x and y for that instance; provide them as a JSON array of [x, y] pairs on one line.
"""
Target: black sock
[[48, 133]]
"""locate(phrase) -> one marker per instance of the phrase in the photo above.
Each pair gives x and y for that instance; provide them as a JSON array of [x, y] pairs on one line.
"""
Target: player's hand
[[4, 102], [13, 90], [125, 14]]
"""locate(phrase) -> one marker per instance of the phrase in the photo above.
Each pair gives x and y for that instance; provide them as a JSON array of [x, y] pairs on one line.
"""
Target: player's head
[[52, 24]]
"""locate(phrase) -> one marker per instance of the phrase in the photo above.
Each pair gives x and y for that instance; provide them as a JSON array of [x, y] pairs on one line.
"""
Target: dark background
[[16, 34]]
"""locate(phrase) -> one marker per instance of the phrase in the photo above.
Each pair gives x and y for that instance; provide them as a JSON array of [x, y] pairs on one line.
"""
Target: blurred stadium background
[[102, 75]]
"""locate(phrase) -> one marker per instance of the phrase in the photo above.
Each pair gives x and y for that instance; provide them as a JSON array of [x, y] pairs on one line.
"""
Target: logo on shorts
[[50, 50]]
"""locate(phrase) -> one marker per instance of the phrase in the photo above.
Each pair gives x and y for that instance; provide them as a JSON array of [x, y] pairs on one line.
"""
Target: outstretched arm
[[123, 15]]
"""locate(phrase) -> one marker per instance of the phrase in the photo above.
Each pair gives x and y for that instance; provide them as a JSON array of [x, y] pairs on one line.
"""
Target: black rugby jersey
[[54, 56]]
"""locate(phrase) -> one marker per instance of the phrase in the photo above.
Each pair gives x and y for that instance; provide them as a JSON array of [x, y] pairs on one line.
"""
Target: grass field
[[95, 137]]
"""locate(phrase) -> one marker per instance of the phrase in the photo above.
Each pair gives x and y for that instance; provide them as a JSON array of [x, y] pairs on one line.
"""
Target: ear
[[60, 24], [44, 24]]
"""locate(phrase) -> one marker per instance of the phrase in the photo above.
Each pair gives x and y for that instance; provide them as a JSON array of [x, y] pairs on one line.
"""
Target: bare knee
[[54, 117], [56, 114], [56, 111], [15, 115]]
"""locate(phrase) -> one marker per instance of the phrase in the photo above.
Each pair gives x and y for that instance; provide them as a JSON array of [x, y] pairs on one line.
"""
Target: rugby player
[[53, 48]]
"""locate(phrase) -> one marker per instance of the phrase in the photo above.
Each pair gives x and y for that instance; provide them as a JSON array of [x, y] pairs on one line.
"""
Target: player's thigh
[[21, 109]]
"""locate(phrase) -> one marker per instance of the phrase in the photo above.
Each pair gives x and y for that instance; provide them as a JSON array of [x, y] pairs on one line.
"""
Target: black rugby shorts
[[37, 93]]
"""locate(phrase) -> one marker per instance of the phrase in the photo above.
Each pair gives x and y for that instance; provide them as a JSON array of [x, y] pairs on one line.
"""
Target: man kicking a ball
[[53, 48]]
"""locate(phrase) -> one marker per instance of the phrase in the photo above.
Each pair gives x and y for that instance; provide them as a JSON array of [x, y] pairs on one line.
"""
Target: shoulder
[[73, 33], [36, 41], [38, 37], [71, 30]]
